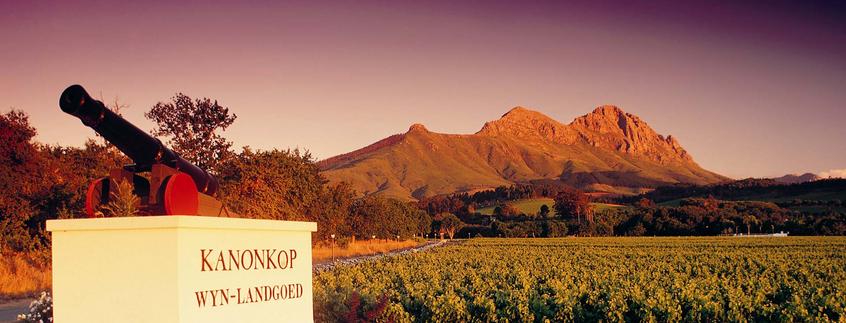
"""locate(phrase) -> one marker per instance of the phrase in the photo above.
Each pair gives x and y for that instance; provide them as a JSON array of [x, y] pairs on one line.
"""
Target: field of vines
[[595, 279]]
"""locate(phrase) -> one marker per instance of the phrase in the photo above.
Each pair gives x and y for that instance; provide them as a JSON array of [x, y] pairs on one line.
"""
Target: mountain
[[795, 179], [606, 150]]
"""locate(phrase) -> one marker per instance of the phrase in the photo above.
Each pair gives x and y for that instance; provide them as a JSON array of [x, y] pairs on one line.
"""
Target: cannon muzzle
[[138, 145]]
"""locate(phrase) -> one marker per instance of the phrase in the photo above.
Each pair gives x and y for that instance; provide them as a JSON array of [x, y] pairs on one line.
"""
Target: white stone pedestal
[[181, 269]]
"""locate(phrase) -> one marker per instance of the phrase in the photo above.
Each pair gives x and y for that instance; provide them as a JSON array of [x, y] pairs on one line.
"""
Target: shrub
[[40, 310], [122, 201]]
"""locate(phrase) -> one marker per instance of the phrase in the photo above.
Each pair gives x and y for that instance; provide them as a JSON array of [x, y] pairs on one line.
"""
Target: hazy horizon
[[749, 90]]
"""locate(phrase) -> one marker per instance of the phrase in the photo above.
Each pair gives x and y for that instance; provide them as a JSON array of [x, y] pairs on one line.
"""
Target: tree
[[645, 203], [469, 208], [40, 182], [374, 214], [276, 184], [449, 224], [497, 210], [749, 220], [637, 231], [506, 209], [385, 217], [192, 126], [339, 197], [16, 135], [711, 204], [574, 203], [21, 176], [424, 223], [552, 229], [404, 221], [544, 211], [332, 210]]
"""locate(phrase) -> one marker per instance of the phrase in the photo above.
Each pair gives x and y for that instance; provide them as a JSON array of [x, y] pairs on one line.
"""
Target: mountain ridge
[[604, 150], [797, 178]]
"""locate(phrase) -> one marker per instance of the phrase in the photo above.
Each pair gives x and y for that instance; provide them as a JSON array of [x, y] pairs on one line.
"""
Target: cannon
[[165, 183]]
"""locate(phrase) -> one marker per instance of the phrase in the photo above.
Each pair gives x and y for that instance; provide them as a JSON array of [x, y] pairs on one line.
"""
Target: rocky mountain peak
[[518, 111], [796, 178], [524, 123], [610, 127], [610, 119], [607, 127], [521, 115], [608, 111], [417, 127]]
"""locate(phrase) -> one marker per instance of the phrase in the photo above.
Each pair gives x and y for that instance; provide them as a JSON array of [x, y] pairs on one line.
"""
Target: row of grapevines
[[597, 279]]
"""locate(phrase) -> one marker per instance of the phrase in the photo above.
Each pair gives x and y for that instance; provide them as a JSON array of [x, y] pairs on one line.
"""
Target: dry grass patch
[[24, 274], [360, 248]]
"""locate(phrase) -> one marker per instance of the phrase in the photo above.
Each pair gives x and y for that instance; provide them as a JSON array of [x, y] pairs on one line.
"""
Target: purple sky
[[750, 89]]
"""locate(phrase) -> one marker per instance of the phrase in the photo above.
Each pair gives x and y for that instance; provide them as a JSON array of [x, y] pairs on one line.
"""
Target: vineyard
[[593, 279]]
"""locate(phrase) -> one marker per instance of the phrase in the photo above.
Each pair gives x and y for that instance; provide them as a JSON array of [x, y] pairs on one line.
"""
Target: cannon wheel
[[180, 195], [96, 195]]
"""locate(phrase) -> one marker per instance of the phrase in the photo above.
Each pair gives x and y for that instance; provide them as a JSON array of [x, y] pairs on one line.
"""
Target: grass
[[361, 248], [527, 206], [605, 206], [23, 275], [532, 206]]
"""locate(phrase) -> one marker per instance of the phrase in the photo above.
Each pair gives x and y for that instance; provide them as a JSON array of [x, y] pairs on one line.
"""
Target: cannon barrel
[[143, 149]]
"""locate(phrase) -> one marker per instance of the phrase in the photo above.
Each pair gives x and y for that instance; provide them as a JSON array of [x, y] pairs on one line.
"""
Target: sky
[[749, 88]]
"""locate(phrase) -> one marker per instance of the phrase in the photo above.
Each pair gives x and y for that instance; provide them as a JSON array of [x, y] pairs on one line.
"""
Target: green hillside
[[532, 206]]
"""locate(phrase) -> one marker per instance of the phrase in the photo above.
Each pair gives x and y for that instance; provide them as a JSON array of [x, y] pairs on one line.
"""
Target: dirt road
[[327, 265], [9, 310]]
